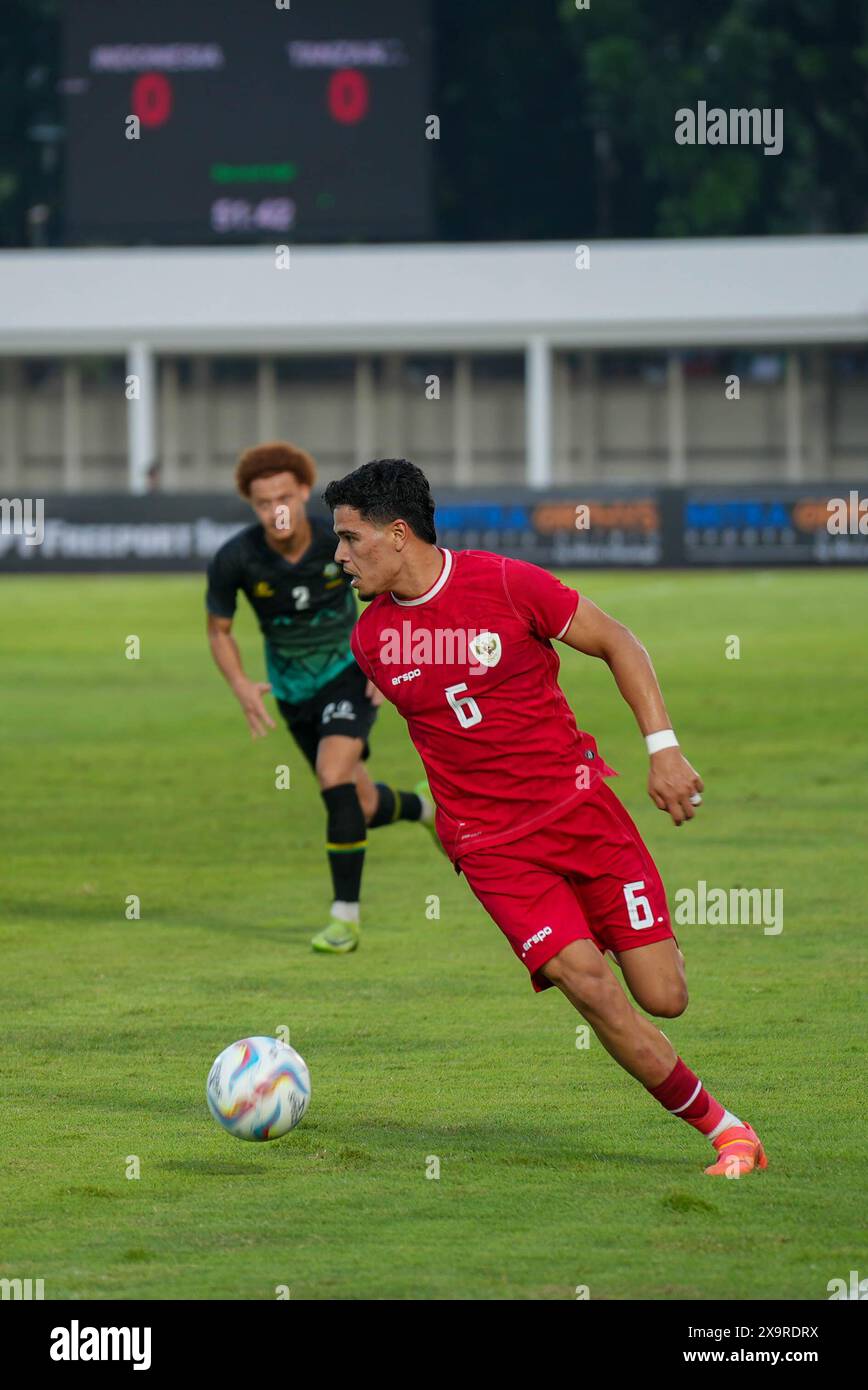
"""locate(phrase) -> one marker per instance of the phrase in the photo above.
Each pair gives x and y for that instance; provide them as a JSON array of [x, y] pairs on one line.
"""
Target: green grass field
[[556, 1169]]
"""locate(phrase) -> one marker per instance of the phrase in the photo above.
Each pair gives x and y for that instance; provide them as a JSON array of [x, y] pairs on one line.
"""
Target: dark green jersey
[[306, 611]]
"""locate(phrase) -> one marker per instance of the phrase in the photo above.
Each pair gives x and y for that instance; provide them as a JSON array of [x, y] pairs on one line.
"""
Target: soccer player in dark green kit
[[306, 611]]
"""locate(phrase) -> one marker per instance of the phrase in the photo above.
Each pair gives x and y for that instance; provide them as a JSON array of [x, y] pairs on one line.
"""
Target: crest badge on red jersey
[[486, 648]]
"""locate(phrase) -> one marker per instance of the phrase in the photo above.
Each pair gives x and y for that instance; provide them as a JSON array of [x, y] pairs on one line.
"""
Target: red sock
[[683, 1094]]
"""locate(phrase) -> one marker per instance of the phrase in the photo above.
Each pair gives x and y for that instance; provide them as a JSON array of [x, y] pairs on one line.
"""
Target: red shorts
[[584, 877]]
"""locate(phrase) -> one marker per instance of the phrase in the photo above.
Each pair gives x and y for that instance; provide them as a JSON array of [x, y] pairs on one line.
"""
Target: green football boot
[[338, 938], [423, 791]]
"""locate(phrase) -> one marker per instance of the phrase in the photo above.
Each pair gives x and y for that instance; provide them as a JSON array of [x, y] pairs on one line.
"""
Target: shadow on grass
[[212, 1168], [108, 912], [471, 1146]]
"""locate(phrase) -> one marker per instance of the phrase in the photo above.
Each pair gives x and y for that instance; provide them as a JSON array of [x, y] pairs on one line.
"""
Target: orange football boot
[[739, 1151]]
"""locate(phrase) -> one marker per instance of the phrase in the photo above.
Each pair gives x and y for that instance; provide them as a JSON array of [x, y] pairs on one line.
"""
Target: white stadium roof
[[494, 296]]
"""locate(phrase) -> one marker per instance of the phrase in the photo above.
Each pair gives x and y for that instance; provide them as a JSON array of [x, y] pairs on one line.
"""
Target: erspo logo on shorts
[[535, 939]]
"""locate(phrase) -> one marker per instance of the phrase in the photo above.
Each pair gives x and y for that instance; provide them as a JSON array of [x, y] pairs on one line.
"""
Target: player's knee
[[589, 984], [666, 1001], [329, 777]]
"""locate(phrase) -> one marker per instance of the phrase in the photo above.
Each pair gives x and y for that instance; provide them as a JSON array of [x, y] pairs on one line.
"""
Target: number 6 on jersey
[[466, 708]]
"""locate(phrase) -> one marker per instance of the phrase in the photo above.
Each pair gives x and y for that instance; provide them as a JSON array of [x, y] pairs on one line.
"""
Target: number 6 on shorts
[[637, 903]]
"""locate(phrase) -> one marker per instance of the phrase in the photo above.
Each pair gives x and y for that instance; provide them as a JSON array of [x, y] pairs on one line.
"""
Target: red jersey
[[471, 667]]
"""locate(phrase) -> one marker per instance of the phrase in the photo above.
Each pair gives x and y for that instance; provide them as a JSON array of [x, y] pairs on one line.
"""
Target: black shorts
[[341, 707]]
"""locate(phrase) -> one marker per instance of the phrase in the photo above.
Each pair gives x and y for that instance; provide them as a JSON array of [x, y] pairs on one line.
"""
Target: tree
[[640, 62], [29, 122]]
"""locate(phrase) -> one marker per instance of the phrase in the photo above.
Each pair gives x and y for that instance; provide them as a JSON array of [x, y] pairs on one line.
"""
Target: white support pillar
[[795, 452], [589, 414], [11, 465], [141, 415], [538, 412], [71, 414], [169, 426], [676, 420], [462, 420], [364, 410], [393, 432], [266, 399], [563, 396], [818, 412], [201, 417]]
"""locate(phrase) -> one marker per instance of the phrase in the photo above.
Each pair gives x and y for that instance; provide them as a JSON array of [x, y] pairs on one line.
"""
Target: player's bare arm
[[672, 782], [248, 693]]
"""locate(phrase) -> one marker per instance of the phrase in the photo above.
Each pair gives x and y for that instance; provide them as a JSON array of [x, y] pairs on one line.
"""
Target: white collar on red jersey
[[435, 588]]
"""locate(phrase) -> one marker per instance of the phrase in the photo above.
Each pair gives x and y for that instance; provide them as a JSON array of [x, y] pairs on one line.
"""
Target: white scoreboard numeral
[[465, 707], [301, 596], [637, 903]]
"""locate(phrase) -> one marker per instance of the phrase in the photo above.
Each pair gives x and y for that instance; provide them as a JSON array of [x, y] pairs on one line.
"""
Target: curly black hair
[[387, 490]]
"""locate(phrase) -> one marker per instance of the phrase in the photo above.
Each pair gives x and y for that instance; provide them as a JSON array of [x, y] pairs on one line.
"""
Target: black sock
[[345, 840], [394, 806]]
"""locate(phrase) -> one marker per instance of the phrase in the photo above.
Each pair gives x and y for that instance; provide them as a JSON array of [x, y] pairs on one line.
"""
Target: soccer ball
[[258, 1088]]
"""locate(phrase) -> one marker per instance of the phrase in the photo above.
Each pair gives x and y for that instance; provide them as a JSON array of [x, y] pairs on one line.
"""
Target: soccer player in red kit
[[461, 643]]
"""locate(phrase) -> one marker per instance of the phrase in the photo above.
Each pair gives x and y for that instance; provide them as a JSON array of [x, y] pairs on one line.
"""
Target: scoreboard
[[253, 120]]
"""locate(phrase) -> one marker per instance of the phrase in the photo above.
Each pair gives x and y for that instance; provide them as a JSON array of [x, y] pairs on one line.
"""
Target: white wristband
[[664, 738]]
